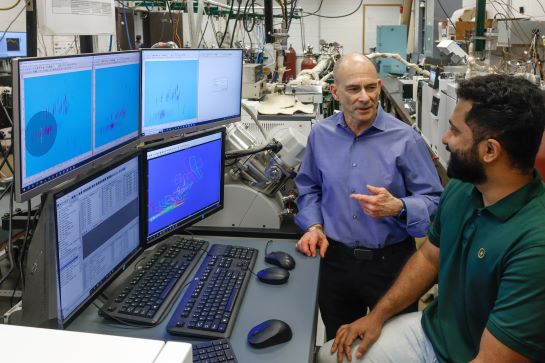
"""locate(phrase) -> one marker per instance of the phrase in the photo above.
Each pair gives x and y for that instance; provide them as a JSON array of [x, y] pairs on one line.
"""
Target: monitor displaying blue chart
[[117, 99], [185, 90], [69, 111], [55, 117], [184, 182]]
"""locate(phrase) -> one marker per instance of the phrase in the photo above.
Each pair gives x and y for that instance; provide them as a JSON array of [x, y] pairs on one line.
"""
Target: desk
[[294, 302]]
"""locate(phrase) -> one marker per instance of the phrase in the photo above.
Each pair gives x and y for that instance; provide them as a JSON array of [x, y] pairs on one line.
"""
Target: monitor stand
[[40, 292]]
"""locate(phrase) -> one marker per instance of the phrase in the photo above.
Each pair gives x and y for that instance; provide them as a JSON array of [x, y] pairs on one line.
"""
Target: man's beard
[[466, 166]]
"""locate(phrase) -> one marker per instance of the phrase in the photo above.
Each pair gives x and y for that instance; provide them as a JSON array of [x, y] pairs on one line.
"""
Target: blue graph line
[[58, 124], [116, 102], [170, 92]]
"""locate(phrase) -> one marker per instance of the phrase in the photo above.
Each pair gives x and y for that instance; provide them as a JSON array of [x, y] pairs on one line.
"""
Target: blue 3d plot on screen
[[184, 181]]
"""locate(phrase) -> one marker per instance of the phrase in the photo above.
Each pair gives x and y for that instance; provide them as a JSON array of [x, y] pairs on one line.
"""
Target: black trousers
[[349, 286]]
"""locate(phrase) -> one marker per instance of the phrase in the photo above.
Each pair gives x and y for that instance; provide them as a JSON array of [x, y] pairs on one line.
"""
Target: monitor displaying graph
[[117, 93], [183, 182], [186, 90], [69, 111]]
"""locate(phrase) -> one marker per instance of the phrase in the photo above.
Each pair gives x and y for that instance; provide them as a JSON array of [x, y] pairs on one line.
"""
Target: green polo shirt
[[492, 272]]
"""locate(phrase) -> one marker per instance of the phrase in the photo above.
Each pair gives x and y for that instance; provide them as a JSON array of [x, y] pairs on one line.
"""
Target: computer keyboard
[[216, 351], [210, 305], [145, 296]]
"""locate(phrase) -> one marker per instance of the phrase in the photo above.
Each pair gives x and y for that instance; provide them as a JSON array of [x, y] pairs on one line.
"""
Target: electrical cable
[[235, 26], [27, 232], [541, 5], [215, 32], [314, 12], [293, 7], [8, 188], [341, 16], [12, 6], [204, 31], [14, 19], [518, 29], [445, 12], [227, 24], [242, 153], [10, 239], [245, 16]]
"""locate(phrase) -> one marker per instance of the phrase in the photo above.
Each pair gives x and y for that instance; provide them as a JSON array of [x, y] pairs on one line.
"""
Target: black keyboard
[[145, 296], [216, 351], [210, 305]]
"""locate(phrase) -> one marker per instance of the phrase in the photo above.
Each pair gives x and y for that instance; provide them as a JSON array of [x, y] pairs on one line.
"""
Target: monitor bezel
[[122, 266], [94, 162], [183, 130], [210, 210]]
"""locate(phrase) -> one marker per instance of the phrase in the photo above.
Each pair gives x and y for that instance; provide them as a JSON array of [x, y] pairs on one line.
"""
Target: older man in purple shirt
[[367, 186]]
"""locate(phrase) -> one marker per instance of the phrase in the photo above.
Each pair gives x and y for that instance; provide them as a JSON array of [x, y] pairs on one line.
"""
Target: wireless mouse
[[269, 333], [273, 275], [280, 259]]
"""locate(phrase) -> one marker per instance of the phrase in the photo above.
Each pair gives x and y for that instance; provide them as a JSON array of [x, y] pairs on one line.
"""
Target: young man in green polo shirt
[[486, 247]]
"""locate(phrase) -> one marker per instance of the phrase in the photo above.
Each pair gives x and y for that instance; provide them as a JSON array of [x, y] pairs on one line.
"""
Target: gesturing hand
[[367, 329], [381, 203]]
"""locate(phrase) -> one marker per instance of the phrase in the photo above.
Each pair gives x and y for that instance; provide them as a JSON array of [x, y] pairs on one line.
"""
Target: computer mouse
[[280, 259], [268, 333], [273, 275]]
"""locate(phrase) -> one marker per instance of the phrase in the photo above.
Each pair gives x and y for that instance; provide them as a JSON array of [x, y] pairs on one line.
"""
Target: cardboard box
[[466, 29]]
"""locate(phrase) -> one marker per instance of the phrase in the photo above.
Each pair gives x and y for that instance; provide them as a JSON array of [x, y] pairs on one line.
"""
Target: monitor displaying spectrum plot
[[183, 182], [116, 99], [70, 113], [187, 90]]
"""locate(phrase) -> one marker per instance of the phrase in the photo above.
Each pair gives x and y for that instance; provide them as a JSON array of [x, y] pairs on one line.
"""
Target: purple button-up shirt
[[389, 154]]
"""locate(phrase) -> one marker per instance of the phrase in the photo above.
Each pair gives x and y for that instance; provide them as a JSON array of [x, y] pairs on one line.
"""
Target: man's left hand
[[380, 203]]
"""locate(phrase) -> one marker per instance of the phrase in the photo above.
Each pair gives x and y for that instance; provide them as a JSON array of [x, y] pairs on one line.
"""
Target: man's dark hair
[[508, 109]]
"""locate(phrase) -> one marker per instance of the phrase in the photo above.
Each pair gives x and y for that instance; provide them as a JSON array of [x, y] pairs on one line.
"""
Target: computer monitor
[[97, 223], [70, 114], [13, 44], [434, 77], [183, 182], [186, 90]]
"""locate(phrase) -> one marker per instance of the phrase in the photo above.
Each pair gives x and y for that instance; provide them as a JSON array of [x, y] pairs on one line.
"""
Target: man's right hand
[[367, 329], [312, 239]]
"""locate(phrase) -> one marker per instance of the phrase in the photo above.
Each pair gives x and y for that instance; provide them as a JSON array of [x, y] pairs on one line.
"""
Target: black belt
[[372, 254]]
